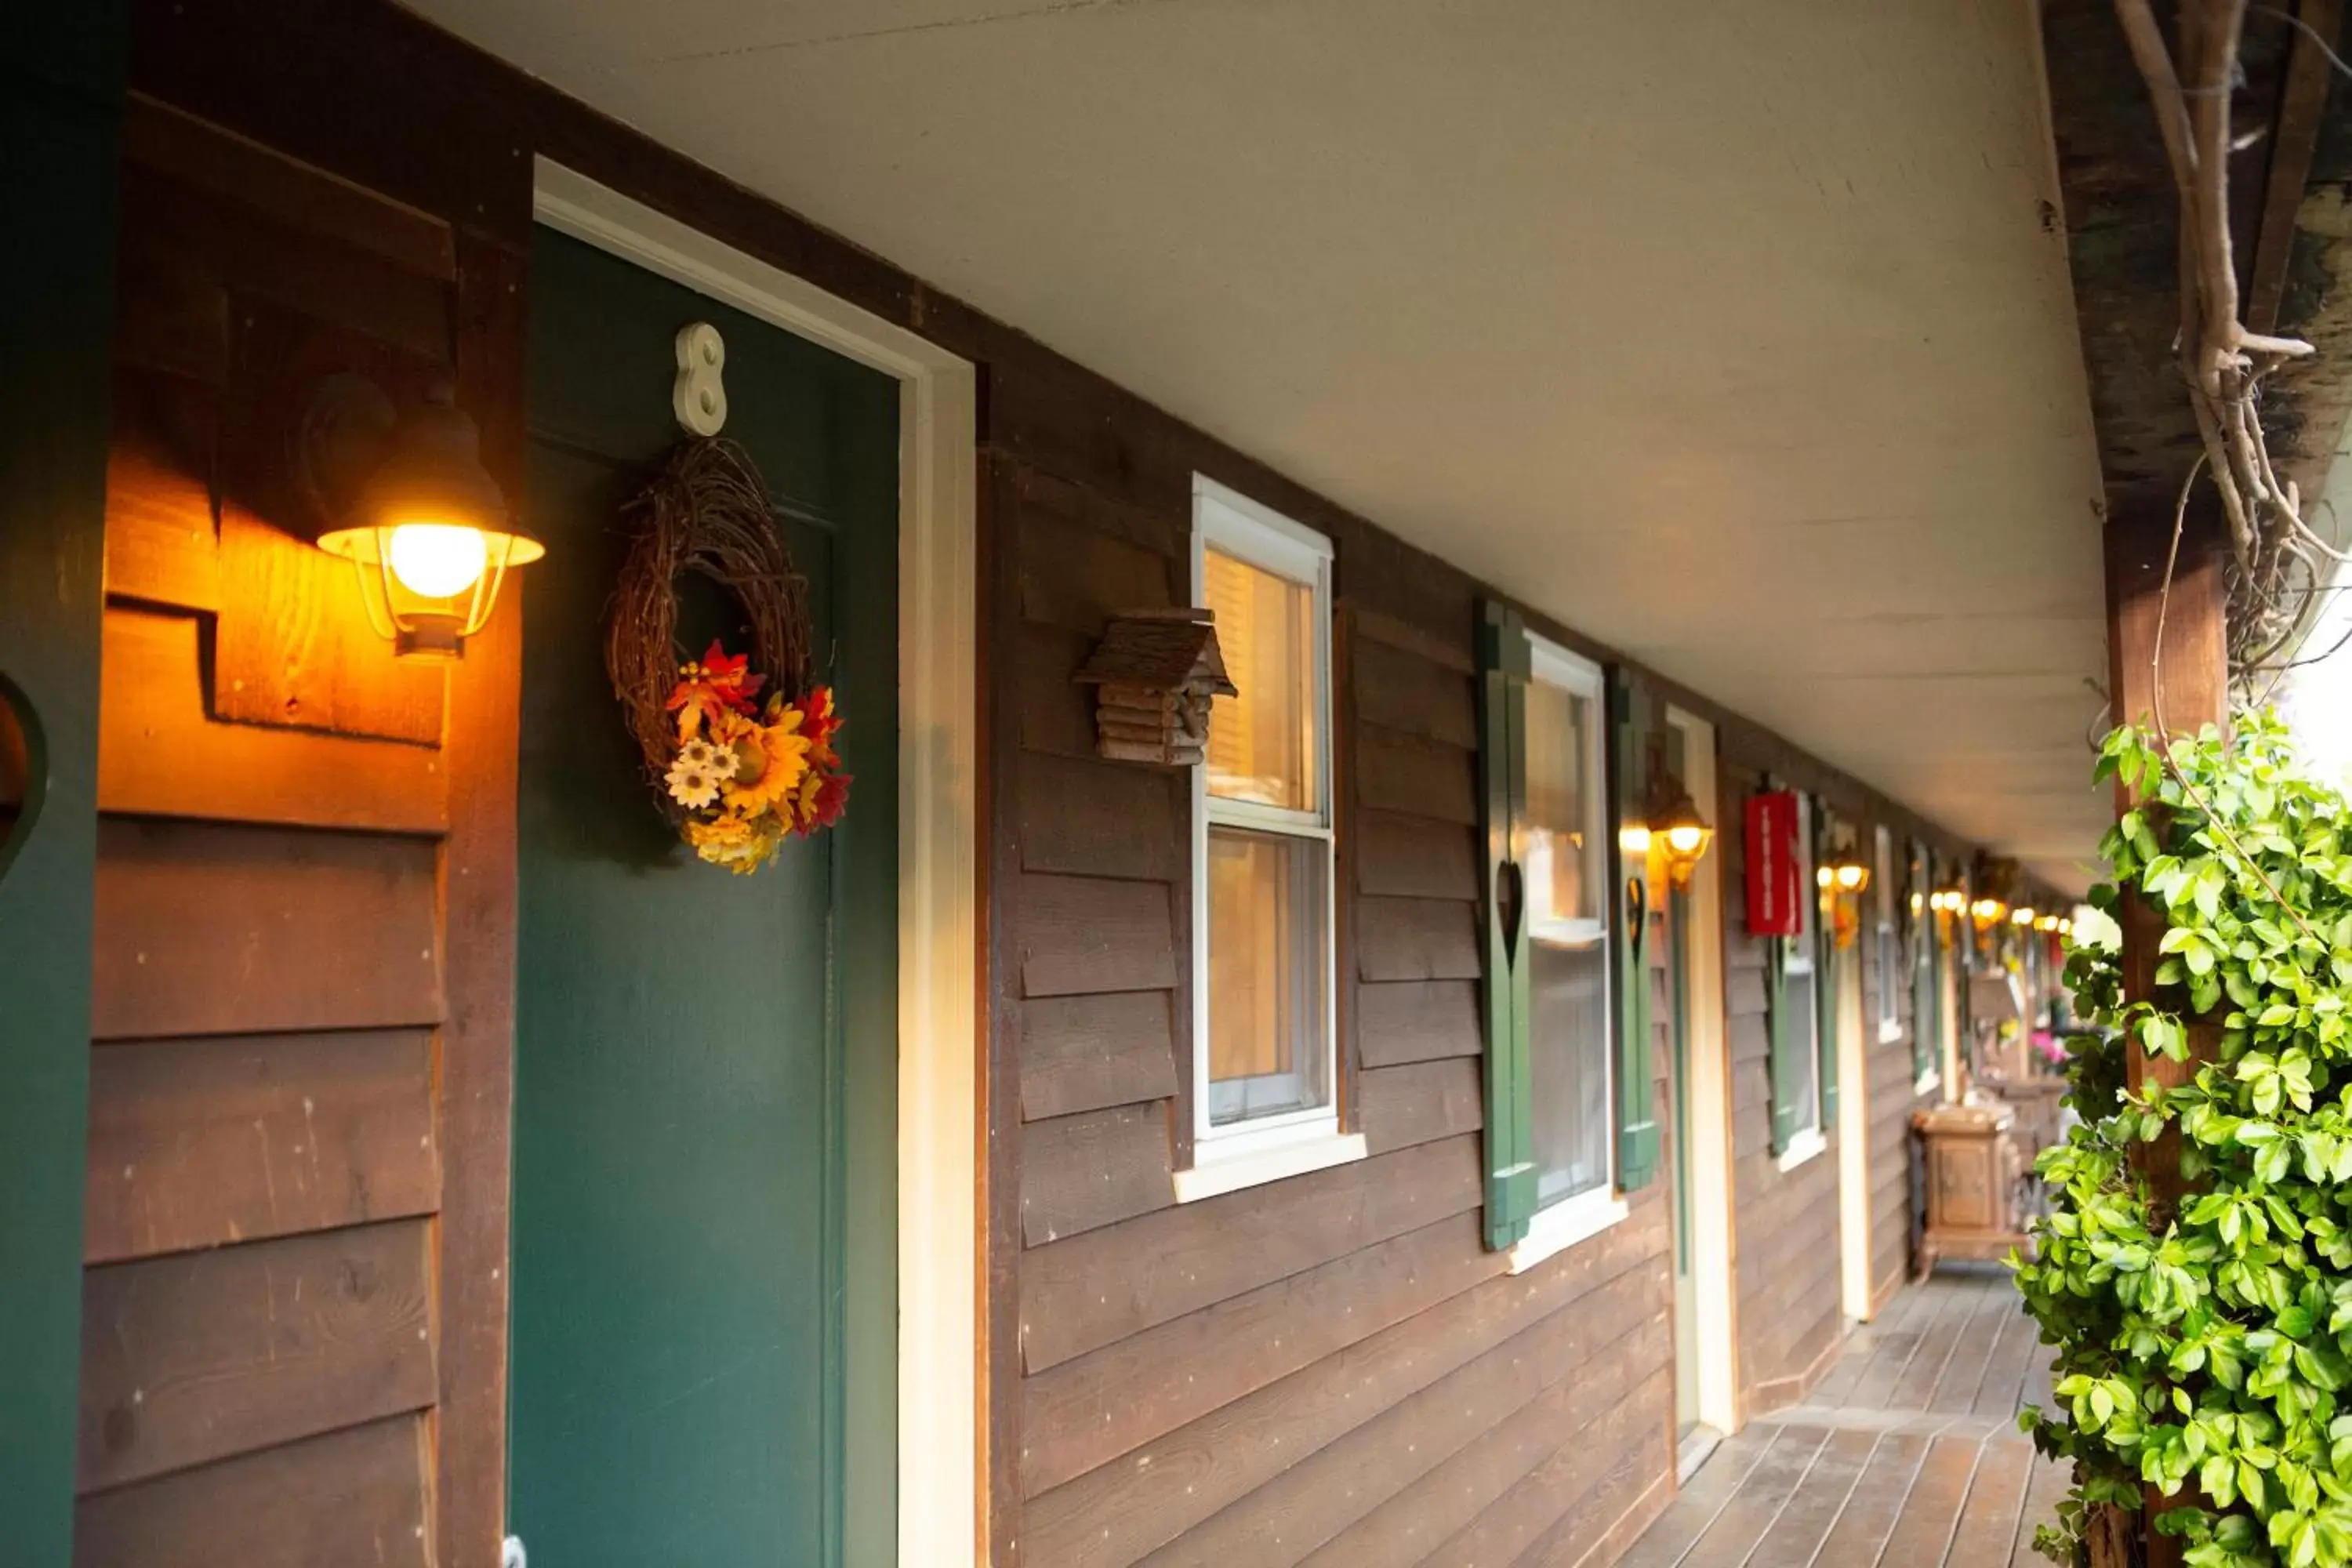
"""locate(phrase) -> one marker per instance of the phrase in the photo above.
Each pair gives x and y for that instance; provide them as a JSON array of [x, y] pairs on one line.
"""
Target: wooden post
[[2193, 691]]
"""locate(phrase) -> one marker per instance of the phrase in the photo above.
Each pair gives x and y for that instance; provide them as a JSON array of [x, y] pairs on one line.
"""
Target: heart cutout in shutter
[[20, 791]]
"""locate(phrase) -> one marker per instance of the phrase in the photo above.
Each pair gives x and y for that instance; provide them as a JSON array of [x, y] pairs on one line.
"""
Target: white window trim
[[1808, 1142], [1268, 1148], [1569, 671], [1570, 1220]]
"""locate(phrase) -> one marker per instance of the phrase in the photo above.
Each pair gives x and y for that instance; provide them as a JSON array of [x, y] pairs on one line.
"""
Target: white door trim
[[1709, 1102], [1853, 1138], [935, 1471]]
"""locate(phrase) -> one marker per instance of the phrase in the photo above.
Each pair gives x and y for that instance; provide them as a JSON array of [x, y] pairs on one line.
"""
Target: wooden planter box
[[1972, 1169]]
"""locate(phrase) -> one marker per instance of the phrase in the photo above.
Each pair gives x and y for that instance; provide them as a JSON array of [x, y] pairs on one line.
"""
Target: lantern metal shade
[[431, 476], [1675, 823]]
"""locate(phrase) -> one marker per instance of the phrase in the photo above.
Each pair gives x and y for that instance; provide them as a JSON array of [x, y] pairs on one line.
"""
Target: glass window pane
[[1568, 1036], [1262, 743], [1267, 908], [1804, 1039], [1563, 853]]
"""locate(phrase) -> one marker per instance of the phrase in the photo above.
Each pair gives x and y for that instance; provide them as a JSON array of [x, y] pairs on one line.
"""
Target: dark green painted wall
[[61, 75]]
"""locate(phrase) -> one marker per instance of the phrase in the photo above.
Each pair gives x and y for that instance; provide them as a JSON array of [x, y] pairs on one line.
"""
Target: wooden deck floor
[[1907, 1454]]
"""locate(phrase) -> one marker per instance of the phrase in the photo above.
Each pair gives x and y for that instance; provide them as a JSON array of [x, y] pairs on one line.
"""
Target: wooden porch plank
[[1768, 1489], [1987, 1528], [1820, 1499], [1896, 1338], [1862, 1348], [1875, 1504], [1938, 1339], [2044, 1489], [1932, 1507], [1972, 1351], [1666, 1543], [2001, 1393]]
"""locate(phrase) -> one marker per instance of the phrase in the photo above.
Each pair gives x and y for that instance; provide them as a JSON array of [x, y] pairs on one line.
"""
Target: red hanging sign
[[1774, 867]]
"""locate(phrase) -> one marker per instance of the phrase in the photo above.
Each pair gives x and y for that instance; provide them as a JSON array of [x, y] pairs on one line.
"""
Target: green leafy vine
[[2204, 1353]]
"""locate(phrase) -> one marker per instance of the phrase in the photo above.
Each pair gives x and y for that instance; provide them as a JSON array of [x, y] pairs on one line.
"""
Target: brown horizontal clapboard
[[1115, 1515], [160, 754], [1415, 857], [1573, 1500], [1448, 652], [1551, 1391], [204, 1355], [1416, 778], [1081, 934], [1096, 1168], [1416, 939], [1419, 1101], [356, 1495], [1079, 577], [1408, 693], [1088, 1412], [213, 930], [160, 541], [196, 1142], [1083, 1053], [1417, 1020], [1088, 1291], [1057, 714], [1084, 816]]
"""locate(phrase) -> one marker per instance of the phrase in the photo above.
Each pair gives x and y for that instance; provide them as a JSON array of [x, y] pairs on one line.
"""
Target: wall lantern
[[2022, 916], [1675, 824], [1988, 913], [425, 528]]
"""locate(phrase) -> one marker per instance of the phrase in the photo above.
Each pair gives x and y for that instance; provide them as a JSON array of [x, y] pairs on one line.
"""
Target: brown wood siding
[[1334, 1362], [295, 967]]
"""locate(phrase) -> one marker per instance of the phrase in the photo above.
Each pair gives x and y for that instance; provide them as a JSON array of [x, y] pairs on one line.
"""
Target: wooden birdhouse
[[1154, 674]]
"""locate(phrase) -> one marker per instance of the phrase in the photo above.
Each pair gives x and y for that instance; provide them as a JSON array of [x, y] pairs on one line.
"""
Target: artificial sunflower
[[777, 761]]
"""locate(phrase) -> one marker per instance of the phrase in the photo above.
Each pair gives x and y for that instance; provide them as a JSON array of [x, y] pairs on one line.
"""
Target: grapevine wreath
[[740, 772]]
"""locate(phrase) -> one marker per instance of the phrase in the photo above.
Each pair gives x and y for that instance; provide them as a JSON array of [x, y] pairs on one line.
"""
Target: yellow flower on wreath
[[781, 754], [730, 841]]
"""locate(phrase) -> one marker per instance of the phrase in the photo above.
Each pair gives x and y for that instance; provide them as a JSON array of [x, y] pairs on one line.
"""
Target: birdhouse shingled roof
[[1163, 651]]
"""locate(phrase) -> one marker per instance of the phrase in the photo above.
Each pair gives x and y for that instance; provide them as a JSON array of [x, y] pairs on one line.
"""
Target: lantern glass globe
[[437, 560]]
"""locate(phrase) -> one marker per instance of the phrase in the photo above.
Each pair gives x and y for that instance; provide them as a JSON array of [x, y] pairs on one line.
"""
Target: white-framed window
[[1265, 1037], [1571, 912], [1886, 938], [1800, 983]]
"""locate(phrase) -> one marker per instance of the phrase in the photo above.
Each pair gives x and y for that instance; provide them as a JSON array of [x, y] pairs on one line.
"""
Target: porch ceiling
[[1737, 336]]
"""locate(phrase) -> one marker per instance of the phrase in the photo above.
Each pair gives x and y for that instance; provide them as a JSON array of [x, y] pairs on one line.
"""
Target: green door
[[703, 1094]]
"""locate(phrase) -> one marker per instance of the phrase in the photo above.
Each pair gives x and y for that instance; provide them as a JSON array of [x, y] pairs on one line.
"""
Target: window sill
[[1928, 1082], [1556, 1229], [1888, 1034], [1211, 1175], [1802, 1148]]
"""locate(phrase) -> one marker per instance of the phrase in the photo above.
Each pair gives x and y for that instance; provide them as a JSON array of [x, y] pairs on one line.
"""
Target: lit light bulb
[[1850, 878], [436, 560], [1634, 841], [2023, 917], [1825, 876], [1685, 838]]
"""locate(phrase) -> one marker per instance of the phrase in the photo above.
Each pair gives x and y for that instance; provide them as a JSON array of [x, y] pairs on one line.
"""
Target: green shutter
[[1827, 980], [1503, 665], [1637, 1097]]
